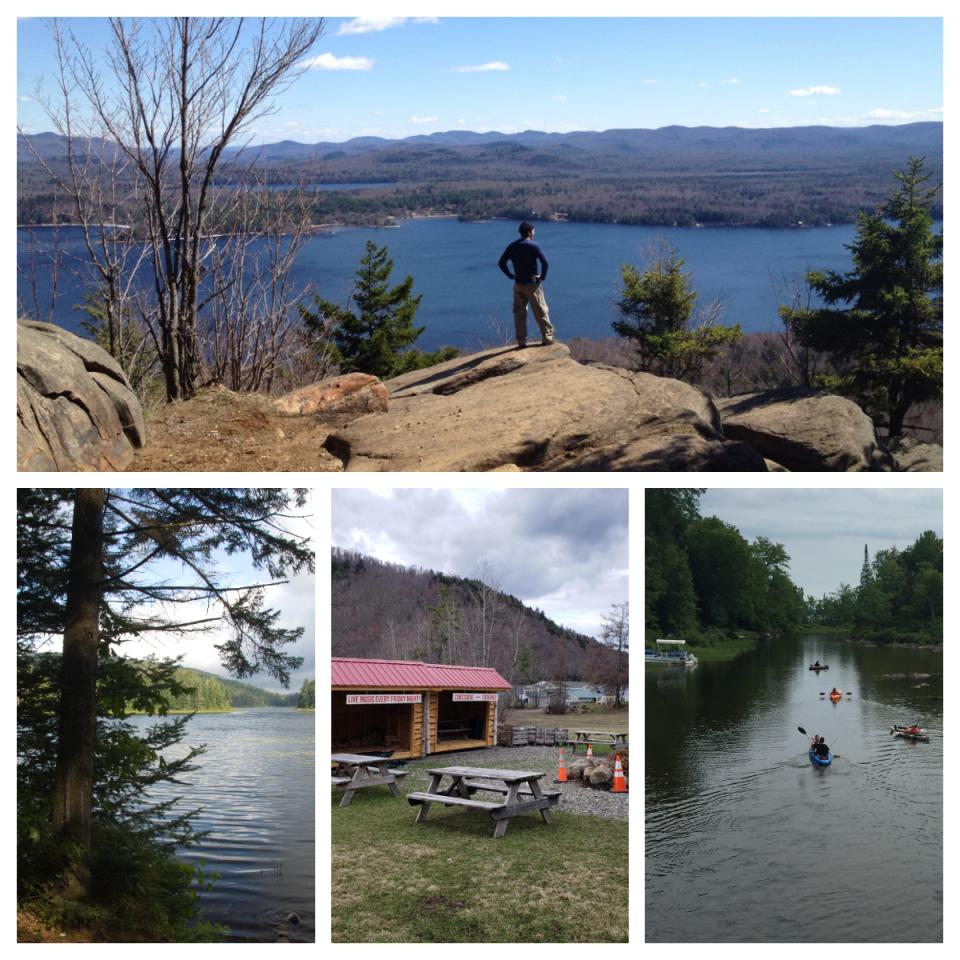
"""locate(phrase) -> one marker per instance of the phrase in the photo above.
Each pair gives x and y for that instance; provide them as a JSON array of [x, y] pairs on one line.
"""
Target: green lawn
[[448, 880], [597, 717]]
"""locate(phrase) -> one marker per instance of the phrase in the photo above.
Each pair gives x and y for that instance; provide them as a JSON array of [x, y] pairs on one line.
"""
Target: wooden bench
[[363, 772], [451, 801], [465, 781]]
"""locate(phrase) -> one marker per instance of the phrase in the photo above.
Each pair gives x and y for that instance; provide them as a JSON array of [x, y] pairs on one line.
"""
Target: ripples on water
[[256, 786], [746, 840]]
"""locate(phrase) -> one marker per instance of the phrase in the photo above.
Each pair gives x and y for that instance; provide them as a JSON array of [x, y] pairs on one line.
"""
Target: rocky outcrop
[[352, 394], [914, 456], [75, 408], [537, 408], [805, 430]]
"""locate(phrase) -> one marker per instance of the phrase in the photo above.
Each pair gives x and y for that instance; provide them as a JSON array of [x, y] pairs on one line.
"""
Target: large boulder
[[352, 394], [805, 430], [538, 409], [75, 408]]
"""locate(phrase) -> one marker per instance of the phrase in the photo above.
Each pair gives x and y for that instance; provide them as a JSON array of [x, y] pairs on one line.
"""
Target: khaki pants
[[532, 294]]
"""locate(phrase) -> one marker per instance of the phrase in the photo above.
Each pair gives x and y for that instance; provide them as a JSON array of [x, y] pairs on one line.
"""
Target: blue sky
[[397, 77]]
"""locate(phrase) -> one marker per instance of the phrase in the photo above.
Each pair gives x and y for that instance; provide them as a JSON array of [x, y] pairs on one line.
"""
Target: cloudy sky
[[399, 76], [824, 531], [295, 600], [562, 551]]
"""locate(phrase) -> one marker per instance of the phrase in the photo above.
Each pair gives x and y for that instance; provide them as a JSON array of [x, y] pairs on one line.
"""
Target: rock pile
[[598, 771]]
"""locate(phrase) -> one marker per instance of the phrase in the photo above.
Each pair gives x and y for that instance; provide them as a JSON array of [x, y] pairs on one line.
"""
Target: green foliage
[[137, 891], [882, 323], [308, 694], [899, 598], [657, 307], [704, 580], [378, 337]]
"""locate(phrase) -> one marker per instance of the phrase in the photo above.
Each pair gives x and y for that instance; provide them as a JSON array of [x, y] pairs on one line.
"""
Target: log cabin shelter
[[412, 709]]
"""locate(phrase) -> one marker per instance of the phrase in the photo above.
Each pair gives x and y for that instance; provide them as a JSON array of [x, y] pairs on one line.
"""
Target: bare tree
[[178, 93], [615, 635]]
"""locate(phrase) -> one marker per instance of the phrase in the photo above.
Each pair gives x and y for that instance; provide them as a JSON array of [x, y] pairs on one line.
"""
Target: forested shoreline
[[706, 584], [899, 599]]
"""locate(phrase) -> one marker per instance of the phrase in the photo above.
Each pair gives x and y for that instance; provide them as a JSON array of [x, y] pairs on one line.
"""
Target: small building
[[412, 709]]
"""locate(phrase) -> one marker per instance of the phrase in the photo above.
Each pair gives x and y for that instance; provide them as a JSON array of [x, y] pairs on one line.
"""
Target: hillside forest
[[899, 598], [386, 610], [705, 583]]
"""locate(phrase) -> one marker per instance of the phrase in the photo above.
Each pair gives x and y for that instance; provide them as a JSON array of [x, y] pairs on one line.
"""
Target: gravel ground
[[576, 798]]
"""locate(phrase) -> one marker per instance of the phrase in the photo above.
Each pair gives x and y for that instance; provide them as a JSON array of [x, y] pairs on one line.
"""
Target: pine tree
[[378, 337], [882, 323], [657, 310], [85, 578]]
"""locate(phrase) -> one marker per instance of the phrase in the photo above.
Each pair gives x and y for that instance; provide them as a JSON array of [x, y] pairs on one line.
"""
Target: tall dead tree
[[170, 96]]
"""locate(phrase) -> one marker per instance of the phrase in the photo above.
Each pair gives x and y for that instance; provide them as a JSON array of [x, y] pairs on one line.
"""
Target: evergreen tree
[[91, 583], [882, 323], [307, 698], [657, 307], [378, 337]]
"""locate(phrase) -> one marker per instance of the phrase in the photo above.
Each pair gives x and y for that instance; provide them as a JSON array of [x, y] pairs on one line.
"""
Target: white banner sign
[[356, 699], [473, 697]]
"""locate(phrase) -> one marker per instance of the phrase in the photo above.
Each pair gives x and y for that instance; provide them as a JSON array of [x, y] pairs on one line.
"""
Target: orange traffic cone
[[589, 751], [562, 772], [619, 783]]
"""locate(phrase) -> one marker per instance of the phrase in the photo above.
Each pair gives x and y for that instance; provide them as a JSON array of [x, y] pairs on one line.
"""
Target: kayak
[[819, 761], [910, 733], [813, 667], [836, 696]]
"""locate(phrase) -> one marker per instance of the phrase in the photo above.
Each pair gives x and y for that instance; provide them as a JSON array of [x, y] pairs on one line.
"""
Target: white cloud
[[730, 82], [703, 85], [370, 24], [26, 99], [764, 110], [811, 91], [559, 97], [327, 61], [424, 119], [494, 65], [650, 83]]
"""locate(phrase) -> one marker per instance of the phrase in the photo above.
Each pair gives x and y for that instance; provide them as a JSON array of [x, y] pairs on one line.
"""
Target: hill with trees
[[387, 610], [672, 175], [899, 598], [705, 583]]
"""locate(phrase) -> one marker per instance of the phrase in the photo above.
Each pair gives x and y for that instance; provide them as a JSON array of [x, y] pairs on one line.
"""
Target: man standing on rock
[[524, 254]]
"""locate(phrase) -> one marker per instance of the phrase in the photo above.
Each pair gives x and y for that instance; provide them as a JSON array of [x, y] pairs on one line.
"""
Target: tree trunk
[[73, 797]]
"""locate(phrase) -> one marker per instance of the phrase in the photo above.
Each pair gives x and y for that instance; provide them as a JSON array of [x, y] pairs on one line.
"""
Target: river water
[[467, 300], [747, 841], [256, 786]]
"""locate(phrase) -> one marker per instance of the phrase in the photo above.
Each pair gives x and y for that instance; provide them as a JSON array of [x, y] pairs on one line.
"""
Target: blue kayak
[[821, 761]]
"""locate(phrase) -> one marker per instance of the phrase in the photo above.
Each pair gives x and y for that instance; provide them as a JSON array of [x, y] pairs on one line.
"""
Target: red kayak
[[912, 732]]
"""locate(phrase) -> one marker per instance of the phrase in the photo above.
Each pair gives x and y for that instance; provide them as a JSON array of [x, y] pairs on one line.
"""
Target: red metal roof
[[357, 672]]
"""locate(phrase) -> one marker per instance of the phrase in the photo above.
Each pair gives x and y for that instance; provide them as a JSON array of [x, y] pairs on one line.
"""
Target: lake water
[[747, 841], [467, 301], [256, 786]]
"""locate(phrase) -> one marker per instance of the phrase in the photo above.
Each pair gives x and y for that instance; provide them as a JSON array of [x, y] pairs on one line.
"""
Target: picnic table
[[353, 771], [597, 736], [521, 790]]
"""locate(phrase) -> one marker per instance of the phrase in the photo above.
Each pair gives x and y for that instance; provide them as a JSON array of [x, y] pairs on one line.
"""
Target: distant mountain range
[[746, 143], [673, 175]]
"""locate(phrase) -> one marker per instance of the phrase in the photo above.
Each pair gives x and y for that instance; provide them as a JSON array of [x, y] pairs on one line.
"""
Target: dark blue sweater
[[524, 254]]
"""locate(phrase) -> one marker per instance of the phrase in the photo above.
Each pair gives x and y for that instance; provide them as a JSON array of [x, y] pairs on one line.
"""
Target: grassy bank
[[448, 880]]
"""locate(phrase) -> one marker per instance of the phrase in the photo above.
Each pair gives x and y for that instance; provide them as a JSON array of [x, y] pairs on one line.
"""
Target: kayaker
[[835, 693], [821, 748], [816, 663]]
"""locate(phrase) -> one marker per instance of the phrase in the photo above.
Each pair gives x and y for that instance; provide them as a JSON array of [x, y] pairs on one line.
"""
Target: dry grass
[[218, 430]]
